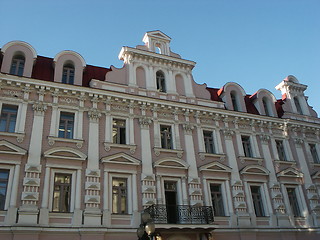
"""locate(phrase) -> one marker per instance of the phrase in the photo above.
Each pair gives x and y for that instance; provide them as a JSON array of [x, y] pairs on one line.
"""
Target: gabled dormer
[[157, 41]]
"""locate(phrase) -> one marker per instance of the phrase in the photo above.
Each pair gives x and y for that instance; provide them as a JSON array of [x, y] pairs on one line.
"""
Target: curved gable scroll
[[171, 163], [65, 153]]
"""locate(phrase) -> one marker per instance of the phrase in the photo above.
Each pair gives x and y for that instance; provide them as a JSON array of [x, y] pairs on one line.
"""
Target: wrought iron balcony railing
[[180, 214]]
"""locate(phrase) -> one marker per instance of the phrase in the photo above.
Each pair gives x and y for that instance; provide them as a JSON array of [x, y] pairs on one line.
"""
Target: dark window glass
[[68, 74], [314, 153], [8, 118], [66, 125], [17, 65], [257, 201], [166, 137], [265, 106], [119, 131], [234, 102], [161, 84], [293, 202], [298, 106], [280, 149], [217, 200], [246, 146], [119, 196], [61, 193], [208, 142], [4, 177]]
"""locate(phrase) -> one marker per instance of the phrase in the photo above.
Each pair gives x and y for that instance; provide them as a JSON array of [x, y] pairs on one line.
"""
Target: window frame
[[8, 123], [298, 105], [169, 143], [119, 195], [234, 100], [314, 153], [281, 150], [66, 124], [19, 62], [8, 182], [260, 210], [61, 197], [68, 73], [161, 81], [297, 201], [72, 172], [209, 142], [119, 139], [246, 143], [221, 204]]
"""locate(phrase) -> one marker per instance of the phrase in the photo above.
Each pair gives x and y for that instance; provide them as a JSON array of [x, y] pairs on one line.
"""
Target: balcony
[[180, 214]]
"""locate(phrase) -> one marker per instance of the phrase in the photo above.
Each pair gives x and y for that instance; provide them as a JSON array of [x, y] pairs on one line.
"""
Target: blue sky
[[255, 43]]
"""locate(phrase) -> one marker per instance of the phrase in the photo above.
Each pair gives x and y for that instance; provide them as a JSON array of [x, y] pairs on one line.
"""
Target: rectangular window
[[293, 202], [208, 141], [8, 118], [217, 200], [68, 75], [246, 146], [61, 192], [280, 149], [119, 196], [166, 137], [314, 153], [257, 201], [17, 66], [66, 125], [119, 131], [4, 176]]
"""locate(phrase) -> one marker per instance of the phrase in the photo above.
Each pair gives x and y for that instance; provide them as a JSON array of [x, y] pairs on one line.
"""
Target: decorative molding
[[228, 133], [52, 140], [264, 138], [188, 128], [94, 115], [157, 151], [244, 159], [108, 146], [145, 121], [39, 108]]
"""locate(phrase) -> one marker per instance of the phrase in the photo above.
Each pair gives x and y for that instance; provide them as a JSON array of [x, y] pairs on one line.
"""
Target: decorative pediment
[[255, 170], [215, 167], [316, 175], [65, 153], [171, 163], [290, 172], [156, 34], [121, 158], [9, 148]]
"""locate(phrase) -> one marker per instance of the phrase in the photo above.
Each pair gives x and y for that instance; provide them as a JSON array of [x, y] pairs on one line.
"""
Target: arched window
[[161, 84], [68, 74], [17, 65], [234, 101], [265, 104], [298, 106]]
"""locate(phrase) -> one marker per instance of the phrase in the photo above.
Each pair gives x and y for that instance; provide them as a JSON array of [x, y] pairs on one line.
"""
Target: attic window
[[68, 74], [234, 101], [158, 48], [17, 65], [298, 106]]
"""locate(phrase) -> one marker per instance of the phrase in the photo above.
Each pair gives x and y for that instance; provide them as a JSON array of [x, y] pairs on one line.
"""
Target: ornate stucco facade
[[85, 149]]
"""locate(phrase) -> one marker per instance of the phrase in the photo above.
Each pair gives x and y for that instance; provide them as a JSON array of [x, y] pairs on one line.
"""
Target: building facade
[[84, 150]]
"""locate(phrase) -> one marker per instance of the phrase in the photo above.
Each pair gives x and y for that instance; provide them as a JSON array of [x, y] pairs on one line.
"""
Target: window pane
[[217, 200], [4, 176], [314, 153], [119, 131], [293, 202], [62, 193], [166, 137], [66, 125], [208, 142], [257, 201], [280, 149], [246, 146], [8, 118], [119, 195]]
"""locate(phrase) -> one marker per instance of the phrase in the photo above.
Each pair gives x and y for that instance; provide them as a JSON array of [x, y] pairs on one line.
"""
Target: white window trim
[[130, 186], [179, 188], [286, 148], [10, 187], [74, 183], [173, 135], [225, 199], [264, 195], [301, 201]]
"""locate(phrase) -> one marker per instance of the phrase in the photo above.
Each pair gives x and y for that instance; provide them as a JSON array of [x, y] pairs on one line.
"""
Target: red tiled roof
[[214, 94]]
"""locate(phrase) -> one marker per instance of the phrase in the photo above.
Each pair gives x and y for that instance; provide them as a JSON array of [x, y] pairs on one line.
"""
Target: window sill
[[280, 162], [108, 146], [244, 159], [61, 214], [158, 151], [215, 156], [19, 136], [78, 142]]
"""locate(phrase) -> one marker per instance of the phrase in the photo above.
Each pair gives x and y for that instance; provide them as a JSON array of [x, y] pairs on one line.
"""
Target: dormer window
[[161, 84], [17, 65], [68, 74], [234, 101], [298, 106], [265, 104]]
